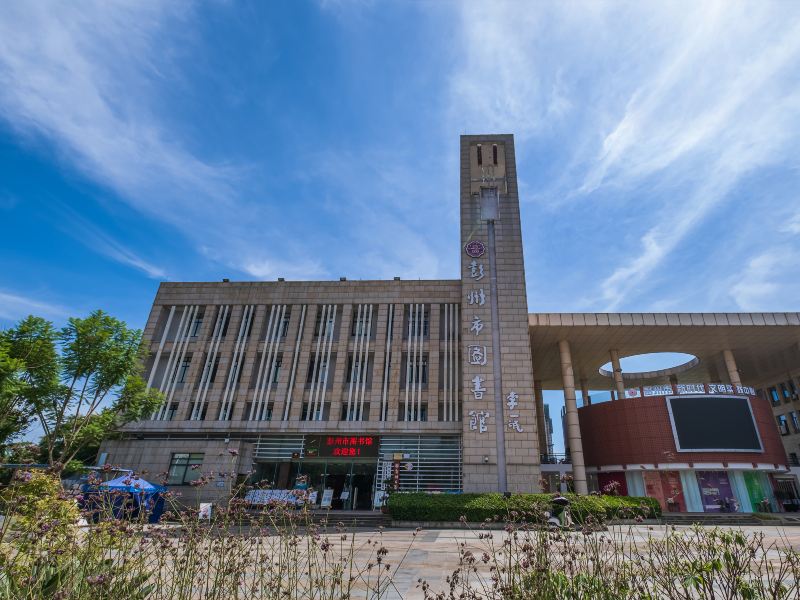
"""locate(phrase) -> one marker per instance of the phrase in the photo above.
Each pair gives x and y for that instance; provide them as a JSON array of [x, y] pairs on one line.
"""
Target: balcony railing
[[554, 459]]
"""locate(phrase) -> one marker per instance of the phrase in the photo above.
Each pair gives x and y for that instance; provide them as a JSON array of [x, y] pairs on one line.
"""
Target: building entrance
[[350, 482]]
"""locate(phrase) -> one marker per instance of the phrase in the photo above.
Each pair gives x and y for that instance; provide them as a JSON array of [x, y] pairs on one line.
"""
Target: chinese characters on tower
[[477, 420], [512, 401], [477, 325], [477, 353]]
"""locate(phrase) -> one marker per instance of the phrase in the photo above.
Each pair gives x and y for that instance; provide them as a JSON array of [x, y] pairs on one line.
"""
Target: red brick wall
[[638, 430]]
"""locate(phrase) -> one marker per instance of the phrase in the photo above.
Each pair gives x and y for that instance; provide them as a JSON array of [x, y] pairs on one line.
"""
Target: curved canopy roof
[[765, 345]]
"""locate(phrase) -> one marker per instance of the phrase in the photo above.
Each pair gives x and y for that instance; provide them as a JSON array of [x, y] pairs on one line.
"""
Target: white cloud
[[763, 285], [265, 268], [729, 64], [101, 242], [662, 109], [14, 307], [792, 225], [88, 79], [388, 209]]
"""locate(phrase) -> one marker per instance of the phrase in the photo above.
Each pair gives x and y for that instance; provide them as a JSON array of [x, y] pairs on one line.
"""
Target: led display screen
[[711, 423], [342, 445]]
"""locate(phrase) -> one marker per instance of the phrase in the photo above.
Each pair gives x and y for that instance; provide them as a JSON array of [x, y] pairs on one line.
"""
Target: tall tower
[[501, 449]]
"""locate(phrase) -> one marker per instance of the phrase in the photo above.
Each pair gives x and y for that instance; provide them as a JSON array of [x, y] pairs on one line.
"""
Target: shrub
[[36, 499], [479, 507]]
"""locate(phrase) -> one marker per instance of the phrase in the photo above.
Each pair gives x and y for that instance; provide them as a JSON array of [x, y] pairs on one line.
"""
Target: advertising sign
[[759, 499], [665, 486], [716, 492], [327, 498], [673, 491]]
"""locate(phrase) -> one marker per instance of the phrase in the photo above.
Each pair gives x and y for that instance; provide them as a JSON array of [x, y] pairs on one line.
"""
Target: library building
[[349, 389]]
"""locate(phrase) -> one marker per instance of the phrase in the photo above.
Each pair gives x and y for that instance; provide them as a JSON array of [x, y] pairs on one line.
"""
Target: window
[[785, 392], [795, 421], [250, 324], [322, 370], [322, 412], [285, 322], [226, 414], [353, 416], [209, 375], [494, 154], [361, 374], [773, 396], [171, 412], [793, 461], [266, 414], [480, 155], [276, 369], [224, 330], [420, 369], [412, 313], [359, 326], [182, 369], [783, 424], [412, 413], [197, 323], [184, 468], [312, 367], [237, 371], [321, 328]]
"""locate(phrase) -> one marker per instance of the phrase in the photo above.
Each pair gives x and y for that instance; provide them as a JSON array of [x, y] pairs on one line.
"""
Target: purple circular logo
[[475, 249]]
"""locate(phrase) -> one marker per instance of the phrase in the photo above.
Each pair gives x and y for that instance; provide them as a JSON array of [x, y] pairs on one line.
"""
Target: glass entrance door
[[362, 484], [351, 482], [338, 478]]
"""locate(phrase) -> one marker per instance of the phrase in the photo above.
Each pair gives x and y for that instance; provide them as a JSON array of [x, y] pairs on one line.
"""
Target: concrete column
[[587, 399], [538, 396], [573, 426], [617, 368], [730, 363], [673, 380]]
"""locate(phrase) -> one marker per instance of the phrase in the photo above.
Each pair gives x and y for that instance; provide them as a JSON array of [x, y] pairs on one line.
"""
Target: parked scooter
[[559, 517]]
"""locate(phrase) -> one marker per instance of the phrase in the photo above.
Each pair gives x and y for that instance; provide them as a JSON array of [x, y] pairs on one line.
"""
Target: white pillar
[[573, 426], [730, 363], [617, 368]]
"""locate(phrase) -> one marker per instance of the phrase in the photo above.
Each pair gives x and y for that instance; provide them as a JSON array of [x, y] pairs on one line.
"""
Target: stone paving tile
[[434, 554]]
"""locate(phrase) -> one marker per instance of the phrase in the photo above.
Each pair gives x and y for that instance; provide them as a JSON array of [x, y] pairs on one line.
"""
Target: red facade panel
[[633, 431]]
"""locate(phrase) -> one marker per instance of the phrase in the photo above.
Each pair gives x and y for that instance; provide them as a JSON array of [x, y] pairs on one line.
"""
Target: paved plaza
[[434, 554]]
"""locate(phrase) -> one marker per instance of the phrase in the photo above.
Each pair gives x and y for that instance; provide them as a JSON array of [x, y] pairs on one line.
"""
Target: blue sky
[[657, 147]]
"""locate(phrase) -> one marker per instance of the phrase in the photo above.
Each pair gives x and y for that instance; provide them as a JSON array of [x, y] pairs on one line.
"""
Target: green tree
[[82, 383], [30, 373], [12, 419]]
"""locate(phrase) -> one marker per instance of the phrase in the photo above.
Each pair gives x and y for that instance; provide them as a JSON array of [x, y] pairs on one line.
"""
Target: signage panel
[[342, 446]]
